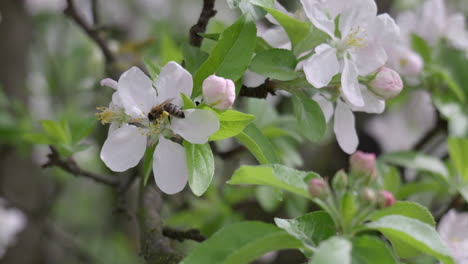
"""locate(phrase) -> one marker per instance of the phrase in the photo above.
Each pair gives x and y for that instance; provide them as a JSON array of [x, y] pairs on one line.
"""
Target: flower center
[[107, 116], [356, 39]]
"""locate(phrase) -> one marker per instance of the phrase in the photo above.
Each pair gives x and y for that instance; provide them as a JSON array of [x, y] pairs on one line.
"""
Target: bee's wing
[[167, 101]]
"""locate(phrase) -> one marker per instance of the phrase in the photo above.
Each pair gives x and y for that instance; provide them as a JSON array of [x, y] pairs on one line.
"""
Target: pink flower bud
[[218, 92], [363, 164], [386, 84], [318, 187], [386, 199]]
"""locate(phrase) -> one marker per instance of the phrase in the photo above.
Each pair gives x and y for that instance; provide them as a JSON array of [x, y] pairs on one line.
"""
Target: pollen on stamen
[[105, 115]]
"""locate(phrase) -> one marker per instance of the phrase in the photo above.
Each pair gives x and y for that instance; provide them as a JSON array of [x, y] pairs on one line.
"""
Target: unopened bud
[[369, 195], [386, 199], [218, 92], [340, 180], [364, 165], [386, 84], [318, 187]]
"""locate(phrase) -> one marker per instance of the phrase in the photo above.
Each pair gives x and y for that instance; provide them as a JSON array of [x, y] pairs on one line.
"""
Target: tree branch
[[71, 12], [95, 13], [70, 166], [181, 235], [155, 247], [207, 13], [260, 91]]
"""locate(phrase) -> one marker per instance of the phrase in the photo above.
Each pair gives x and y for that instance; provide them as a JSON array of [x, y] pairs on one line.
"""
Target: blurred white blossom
[[453, 229], [12, 221]]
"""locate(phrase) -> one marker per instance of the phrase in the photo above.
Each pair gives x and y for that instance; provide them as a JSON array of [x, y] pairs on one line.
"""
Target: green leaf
[[313, 38], [277, 64], [200, 164], [269, 198], [55, 131], [334, 250], [417, 161], [259, 145], [311, 228], [310, 118], [231, 124], [148, 163], [296, 29], [152, 68], [188, 103], [408, 209], [194, 57], [417, 187], [274, 175], [405, 233], [252, 8], [231, 55], [458, 149], [449, 80], [169, 50], [463, 190], [83, 129], [241, 243], [420, 46], [371, 250], [348, 206], [38, 138], [391, 178]]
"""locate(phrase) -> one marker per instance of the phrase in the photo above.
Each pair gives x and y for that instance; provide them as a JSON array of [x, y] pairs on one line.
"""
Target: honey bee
[[165, 108]]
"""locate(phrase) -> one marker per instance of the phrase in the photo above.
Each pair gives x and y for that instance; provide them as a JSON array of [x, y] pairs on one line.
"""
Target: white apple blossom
[[433, 22], [355, 49], [126, 145], [12, 221], [453, 229]]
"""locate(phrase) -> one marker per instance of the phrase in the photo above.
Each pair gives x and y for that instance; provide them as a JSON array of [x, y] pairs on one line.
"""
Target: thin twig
[[206, 14], [261, 91], [95, 13], [70, 166], [181, 235], [71, 11]]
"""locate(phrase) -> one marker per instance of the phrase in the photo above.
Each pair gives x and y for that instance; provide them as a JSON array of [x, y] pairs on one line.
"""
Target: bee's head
[[152, 116]]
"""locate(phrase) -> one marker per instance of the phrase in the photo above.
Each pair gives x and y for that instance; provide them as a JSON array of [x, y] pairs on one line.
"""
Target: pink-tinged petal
[[124, 148], [322, 66], [197, 126], [325, 105], [350, 83], [170, 166], [356, 13], [344, 128], [136, 92], [370, 58], [372, 104], [110, 83], [172, 81], [316, 12]]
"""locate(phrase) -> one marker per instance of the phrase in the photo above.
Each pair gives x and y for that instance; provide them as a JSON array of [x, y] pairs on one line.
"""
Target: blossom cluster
[[138, 118]]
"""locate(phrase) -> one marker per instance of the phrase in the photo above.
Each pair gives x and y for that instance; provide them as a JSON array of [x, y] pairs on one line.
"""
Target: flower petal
[[344, 128], [322, 66], [356, 13], [112, 127], [325, 105], [350, 83], [172, 81], [316, 12], [124, 148], [170, 166], [136, 92], [372, 104], [370, 58], [110, 83], [197, 126]]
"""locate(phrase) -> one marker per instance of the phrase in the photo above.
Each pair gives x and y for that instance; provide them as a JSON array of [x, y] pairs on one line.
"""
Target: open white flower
[[124, 147], [12, 221], [344, 121], [453, 229], [355, 49]]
